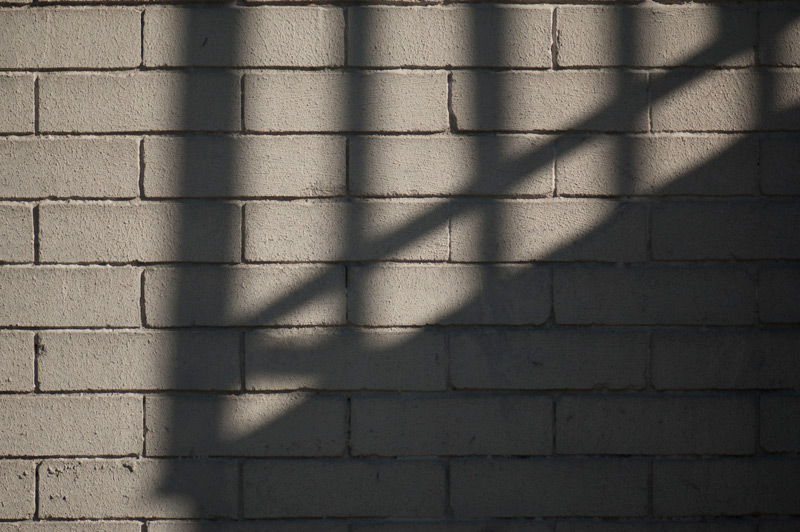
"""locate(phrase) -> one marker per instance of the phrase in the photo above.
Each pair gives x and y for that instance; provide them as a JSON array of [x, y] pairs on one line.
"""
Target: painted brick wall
[[349, 267]]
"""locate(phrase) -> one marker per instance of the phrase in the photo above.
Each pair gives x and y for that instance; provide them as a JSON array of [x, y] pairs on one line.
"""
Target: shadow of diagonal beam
[[517, 168]]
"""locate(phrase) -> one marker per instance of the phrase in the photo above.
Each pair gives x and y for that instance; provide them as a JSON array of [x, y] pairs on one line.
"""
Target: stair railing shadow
[[515, 170]]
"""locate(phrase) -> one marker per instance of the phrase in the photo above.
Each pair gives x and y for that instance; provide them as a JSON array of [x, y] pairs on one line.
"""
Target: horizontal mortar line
[[631, 132], [445, 134], [465, 133], [545, 393], [553, 328], [67, 70], [220, 133], [443, 68], [66, 456], [567, 326]]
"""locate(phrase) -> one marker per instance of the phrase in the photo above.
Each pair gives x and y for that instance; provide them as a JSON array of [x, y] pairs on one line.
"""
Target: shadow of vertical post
[[202, 489]]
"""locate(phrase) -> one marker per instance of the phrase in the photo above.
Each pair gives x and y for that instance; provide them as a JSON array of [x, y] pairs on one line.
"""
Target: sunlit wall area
[[304, 266]]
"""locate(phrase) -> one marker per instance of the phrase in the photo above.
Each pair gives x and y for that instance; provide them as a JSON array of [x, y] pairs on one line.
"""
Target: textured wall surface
[[349, 267]]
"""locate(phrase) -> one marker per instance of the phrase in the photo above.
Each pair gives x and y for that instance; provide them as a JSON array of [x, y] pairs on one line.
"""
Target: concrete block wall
[[406, 266]]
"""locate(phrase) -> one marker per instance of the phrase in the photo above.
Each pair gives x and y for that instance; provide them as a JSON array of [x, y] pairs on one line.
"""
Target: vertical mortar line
[[36, 105], [38, 349], [347, 445], [452, 124], [648, 206], [554, 449], [448, 377], [143, 526], [36, 467], [648, 363], [346, 37], [242, 362], [242, 232], [347, 294], [141, 168], [554, 39], [347, 140], [757, 46], [448, 499], [650, 508], [36, 237], [142, 312], [759, 173], [144, 425], [758, 449], [242, 124], [240, 489], [555, 169], [450, 230], [552, 317], [141, 43], [648, 77]]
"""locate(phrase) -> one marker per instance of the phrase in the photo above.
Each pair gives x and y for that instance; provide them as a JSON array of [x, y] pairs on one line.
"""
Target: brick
[[247, 425], [345, 359], [17, 489], [725, 100], [345, 230], [53, 296], [71, 38], [653, 295], [72, 526], [16, 361], [248, 295], [293, 525], [448, 294], [139, 101], [454, 526], [440, 36], [494, 165], [780, 33], [656, 36], [16, 103], [250, 166], [713, 360], [548, 487], [550, 101], [729, 230], [779, 161], [32, 425], [632, 165], [724, 487], [779, 295], [346, 101], [549, 230], [319, 488], [139, 232], [243, 37], [779, 428], [73, 361], [655, 425], [721, 525], [454, 425], [547, 359], [16, 241], [137, 488], [85, 167]]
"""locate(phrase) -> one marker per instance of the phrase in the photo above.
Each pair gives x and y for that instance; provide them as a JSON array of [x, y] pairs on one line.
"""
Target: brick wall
[[379, 268]]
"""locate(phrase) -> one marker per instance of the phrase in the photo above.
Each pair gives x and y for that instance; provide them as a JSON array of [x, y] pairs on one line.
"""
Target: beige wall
[[305, 266]]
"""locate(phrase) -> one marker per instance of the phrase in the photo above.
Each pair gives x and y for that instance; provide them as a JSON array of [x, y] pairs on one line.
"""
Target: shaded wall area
[[370, 268]]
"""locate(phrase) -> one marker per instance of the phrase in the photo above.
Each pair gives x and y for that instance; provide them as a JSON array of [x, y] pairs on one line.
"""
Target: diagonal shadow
[[514, 171]]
